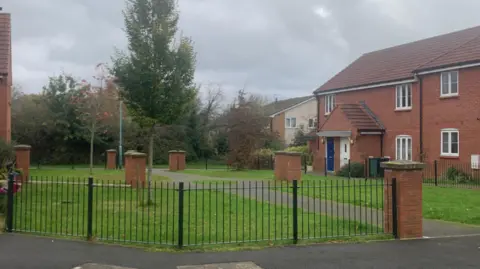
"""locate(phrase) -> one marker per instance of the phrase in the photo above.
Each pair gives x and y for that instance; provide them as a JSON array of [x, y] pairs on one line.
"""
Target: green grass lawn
[[451, 204], [209, 217], [81, 174], [214, 165], [442, 203], [250, 174], [254, 174]]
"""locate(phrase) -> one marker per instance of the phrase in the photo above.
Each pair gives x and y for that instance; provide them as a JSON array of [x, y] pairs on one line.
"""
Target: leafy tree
[[156, 73], [95, 106], [66, 125], [32, 124], [247, 129]]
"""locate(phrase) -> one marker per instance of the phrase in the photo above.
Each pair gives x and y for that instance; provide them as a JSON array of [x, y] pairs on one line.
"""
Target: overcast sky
[[280, 48]]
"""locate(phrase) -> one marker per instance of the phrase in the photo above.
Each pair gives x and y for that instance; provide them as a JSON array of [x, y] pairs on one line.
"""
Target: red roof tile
[[359, 118], [400, 62], [5, 46]]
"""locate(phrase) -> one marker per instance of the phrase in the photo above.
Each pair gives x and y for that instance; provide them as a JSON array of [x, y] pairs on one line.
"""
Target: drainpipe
[[318, 121], [420, 87]]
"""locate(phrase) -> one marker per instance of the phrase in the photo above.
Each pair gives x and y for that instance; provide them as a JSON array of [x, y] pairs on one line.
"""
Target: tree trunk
[[92, 136], [150, 166]]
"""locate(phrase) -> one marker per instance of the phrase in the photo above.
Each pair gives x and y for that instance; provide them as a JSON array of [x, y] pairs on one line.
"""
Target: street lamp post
[[120, 148]]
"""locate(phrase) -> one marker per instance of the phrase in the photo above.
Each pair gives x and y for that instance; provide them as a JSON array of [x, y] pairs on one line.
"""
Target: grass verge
[[99, 175], [209, 217]]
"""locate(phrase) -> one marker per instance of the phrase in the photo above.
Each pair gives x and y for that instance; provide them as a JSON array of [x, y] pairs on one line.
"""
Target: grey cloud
[[274, 47]]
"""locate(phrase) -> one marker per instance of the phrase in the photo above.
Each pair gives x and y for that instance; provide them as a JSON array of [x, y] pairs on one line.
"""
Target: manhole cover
[[99, 266], [235, 265]]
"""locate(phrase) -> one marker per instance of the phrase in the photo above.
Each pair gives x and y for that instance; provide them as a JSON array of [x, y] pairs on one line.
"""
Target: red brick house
[[5, 76], [417, 101]]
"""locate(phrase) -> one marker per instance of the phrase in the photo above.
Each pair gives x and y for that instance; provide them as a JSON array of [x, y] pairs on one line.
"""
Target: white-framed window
[[403, 97], [312, 123], [291, 122], [450, 139], [449, 83], [329, 103], [404, 147]]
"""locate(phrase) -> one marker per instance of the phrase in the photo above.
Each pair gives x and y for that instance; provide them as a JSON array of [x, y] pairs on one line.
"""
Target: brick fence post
[[408, 196], [135, 168], [22, 155], [111, 159], [288, 166], [176, 160]]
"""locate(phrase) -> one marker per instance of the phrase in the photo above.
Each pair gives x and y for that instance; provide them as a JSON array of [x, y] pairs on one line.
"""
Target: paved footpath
[[256, 189], [29, 252]]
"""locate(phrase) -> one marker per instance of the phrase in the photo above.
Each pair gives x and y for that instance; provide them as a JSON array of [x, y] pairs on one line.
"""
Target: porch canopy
[[350, 120], [335, 133]]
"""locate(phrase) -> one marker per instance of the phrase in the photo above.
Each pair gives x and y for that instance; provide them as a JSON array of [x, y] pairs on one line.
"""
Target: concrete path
[[261, 191], [29, 252]]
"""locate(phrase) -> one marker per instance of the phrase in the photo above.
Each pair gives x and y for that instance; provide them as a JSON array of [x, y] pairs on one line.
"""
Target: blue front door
[[330, 154]]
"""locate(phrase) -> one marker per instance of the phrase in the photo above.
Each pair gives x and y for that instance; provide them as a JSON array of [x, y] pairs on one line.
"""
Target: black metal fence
[[195, 214], [447, 173]]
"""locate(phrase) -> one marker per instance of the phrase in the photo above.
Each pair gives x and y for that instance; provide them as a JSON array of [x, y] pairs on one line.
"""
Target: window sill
[[327, 114], [449, 96], [449, 156], [406, 109]]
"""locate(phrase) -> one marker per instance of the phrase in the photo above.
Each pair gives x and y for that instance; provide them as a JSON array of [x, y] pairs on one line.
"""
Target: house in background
[[417, 101], [5, 76], [289, 116]]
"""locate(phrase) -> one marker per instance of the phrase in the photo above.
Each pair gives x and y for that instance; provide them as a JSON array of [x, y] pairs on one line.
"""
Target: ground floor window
[[404, 147], [450, 142]]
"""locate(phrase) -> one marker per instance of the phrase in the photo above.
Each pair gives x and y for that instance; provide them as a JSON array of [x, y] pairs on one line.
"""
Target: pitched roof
[[279, 106], [359, 116], [5, 46], [400, 62]]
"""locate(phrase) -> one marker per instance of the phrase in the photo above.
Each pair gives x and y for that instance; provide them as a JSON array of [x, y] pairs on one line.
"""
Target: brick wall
[[460, 112], [278, 125], [382, 102]]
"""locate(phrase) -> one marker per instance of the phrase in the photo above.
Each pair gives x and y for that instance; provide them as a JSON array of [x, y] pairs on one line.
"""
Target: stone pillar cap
[[135, 154], [176, 151], [288, 153], [25, 147], [402, 165], [112, 150]]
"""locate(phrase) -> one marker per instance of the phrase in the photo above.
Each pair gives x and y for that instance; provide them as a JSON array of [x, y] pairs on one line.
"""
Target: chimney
[[6, 74]]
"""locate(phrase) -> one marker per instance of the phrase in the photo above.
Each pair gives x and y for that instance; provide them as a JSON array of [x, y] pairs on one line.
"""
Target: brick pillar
[[135, 166], [111, 159], [288, 166], [176, 160], [408, 201], [6, 78], [22, 155]]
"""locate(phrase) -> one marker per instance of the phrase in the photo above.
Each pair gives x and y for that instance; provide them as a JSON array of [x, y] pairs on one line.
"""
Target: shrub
[[458, 175], [305, 152], [7, 157], [263, 152], [356, 170]]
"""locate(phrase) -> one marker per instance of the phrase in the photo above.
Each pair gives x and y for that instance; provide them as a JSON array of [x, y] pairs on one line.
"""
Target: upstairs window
[[404, 147], [450, 142], [291, 122], [312, 123], [449, 83], [329, 103], [404, 97]]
